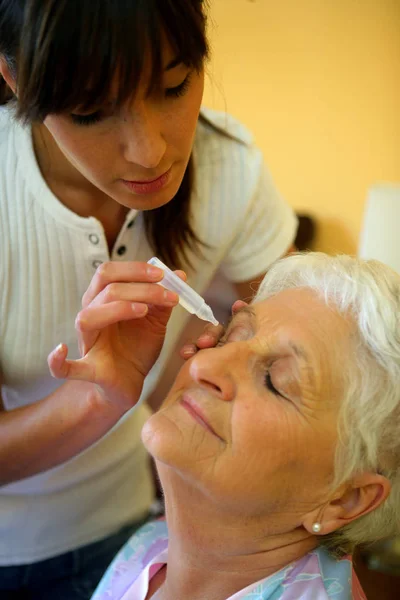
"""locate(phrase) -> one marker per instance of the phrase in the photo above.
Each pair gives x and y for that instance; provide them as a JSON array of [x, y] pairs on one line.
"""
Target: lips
[[192, 407], [148, 186]]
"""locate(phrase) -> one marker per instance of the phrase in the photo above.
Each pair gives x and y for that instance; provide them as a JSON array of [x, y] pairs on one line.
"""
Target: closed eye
[[179, 90], [270, 385], [89, 119], [95, 117]]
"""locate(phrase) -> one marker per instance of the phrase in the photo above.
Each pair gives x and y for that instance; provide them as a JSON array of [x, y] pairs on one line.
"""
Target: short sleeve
[[268, 230]]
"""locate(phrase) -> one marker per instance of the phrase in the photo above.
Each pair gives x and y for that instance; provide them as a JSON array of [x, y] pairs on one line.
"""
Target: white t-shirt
[[48, 256]]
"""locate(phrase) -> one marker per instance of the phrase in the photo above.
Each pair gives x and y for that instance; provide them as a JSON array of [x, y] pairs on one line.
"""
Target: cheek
[[181, 123], [81, 146], [66, 135], [273, 438], [182, 381]]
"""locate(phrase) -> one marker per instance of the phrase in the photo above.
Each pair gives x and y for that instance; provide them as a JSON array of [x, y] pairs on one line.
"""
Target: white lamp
[[380, 234]]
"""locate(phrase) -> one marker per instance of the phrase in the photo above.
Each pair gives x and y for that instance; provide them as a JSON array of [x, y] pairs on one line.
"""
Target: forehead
[[301, 308]]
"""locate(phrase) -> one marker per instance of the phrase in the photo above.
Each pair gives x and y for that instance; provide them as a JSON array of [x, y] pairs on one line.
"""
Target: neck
[[238, 550], [76, 192]]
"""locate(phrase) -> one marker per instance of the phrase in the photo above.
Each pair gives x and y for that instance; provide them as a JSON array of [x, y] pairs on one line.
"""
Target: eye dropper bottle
[[188, 298]]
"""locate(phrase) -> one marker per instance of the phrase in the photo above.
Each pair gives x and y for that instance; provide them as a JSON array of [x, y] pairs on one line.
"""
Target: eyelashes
[[269, 385], [180, 90], [86, 120], [91, 119]]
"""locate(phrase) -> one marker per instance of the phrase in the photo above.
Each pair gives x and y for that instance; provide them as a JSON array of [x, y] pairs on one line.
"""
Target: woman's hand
[[121, 330], [210, 336]]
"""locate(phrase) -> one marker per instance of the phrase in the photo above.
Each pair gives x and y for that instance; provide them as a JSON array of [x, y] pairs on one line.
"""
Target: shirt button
[[97, 263], [121, 250], [94, 239]]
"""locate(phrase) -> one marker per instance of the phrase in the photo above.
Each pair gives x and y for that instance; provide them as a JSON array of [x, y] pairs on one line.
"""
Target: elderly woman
[[278, 450]]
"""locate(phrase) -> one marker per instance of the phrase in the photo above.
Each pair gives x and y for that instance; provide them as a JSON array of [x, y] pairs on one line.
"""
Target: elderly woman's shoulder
[[318, 575], [133, 558]]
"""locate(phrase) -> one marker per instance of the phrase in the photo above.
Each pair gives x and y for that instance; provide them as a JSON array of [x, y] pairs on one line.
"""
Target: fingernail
[[139, 309], [206, 337], [59, 348], [154, 272], [189, 351]]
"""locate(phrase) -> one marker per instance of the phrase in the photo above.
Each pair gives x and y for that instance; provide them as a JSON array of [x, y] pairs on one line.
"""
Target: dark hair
[[66, 54]]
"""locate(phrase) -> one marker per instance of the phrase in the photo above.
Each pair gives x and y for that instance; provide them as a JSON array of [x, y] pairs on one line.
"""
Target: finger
[[125, 272], [238, 305], [210, 336], [56, 360], [61, 368], [146, 293], [188, 350], [98, 317], [181, 274]]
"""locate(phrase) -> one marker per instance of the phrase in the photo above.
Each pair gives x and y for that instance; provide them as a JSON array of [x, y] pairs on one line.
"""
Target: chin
[[163, 441], [142, 203]]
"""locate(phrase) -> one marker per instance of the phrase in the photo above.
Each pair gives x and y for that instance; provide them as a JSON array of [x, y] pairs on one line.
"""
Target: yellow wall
[[318, 82]]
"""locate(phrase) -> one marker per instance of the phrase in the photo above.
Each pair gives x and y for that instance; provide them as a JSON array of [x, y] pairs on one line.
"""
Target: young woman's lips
[[148, 187], [195, 411]]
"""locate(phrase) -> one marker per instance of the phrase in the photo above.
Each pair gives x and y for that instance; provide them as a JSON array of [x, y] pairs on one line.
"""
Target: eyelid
[[180, 89], [87, 119], [283, 387]]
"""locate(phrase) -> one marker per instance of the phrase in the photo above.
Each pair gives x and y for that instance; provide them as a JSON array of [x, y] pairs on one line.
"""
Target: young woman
[[105, 161]]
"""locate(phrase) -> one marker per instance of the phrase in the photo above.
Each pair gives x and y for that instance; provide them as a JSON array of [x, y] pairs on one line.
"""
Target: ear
[[363, 495], [6, 74]]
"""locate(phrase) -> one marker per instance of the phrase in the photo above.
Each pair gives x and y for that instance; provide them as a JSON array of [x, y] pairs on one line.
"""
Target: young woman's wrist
[[108, 405]]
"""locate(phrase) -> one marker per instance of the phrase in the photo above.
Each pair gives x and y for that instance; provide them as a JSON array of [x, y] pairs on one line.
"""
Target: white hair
[[368, 292]]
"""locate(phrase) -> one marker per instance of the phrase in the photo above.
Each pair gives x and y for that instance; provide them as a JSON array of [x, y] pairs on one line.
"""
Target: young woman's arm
[[40, 436], [121, 330]]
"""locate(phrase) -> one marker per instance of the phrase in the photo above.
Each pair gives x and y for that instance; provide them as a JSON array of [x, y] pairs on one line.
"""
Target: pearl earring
[[316, 527]]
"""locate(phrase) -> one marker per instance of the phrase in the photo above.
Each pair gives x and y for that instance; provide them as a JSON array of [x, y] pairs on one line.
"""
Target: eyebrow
[[299, 351], [245, 310]]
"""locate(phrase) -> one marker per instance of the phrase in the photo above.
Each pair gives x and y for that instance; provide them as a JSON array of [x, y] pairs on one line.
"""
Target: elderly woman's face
[[252, 422]]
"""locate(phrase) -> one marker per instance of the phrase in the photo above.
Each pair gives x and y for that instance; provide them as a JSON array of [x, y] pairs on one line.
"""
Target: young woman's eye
[[87, 119], [180, 90], [270, 385]]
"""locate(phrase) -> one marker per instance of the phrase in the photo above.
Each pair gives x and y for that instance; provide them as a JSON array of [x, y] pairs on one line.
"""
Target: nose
[[214, 369], [144, 144]]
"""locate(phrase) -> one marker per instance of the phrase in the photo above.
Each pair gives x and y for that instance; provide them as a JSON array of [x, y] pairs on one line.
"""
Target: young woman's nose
[[144, 144], [211, 369]]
